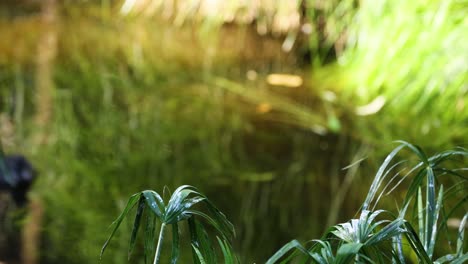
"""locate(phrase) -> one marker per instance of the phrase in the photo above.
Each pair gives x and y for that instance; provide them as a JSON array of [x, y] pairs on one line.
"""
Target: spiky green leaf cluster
[[180, 207], [375, 239]]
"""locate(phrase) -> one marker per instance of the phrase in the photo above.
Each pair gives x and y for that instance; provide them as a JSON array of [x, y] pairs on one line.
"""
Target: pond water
[[108, 107]]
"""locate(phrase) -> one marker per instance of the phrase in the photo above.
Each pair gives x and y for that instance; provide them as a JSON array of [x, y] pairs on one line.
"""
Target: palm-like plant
[[180, 207], [366, 239]]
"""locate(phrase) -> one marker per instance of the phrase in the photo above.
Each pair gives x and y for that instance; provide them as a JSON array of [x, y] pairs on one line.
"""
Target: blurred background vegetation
[[260, 104]]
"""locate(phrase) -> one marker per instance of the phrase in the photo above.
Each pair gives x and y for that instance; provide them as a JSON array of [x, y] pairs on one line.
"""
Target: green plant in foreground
[[178, 208], [375, 240], [371, 238]]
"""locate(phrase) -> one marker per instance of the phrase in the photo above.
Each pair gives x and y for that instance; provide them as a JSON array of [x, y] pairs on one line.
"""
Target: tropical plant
[[180, 207], [368, 239]]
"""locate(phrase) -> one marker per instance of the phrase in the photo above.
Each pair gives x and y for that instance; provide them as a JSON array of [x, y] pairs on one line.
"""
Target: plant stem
[[159, 245]]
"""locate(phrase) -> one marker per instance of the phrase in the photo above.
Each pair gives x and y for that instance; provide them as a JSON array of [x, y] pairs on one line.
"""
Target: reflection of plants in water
[[137, 98]]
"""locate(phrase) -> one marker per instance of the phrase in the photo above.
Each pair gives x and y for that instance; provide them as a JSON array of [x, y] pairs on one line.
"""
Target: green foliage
[[368, 239], [404, 62], [137, 104], [180, 207]]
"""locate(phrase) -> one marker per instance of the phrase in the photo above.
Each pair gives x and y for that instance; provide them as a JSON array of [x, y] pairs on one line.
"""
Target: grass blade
[[417, 150], [416, 244], [461, 235], [398, 250], [462, 259], [131, 202], [391, 230], [218, 225], [430, 209], [379, 177], [175, 244], [136, 225], [201, 242], [292, 245], [198, 255], [445, 259], [436, 218], [420, 216], [414, 186], [150, 235], [347, 252], [229, 256]]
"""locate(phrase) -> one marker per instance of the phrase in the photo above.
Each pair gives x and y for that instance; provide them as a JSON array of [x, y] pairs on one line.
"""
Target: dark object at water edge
[[16, 177]]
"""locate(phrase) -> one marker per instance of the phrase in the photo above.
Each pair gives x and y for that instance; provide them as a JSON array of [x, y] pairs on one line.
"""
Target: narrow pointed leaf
[[436, 218], [347, 252], [292, 245], [461, 235], [136, 224], [420, 216], [155, 203], [414, 186], [417, 150], [219, 217], [389, 231], [378, 178], [398, 249], [201, 241], [416, 244], [461, 259], [228, 254], [218, 225], [198, 255], [131, 202], [430, 209], [445, 259], [150, 235], [175, 244]]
